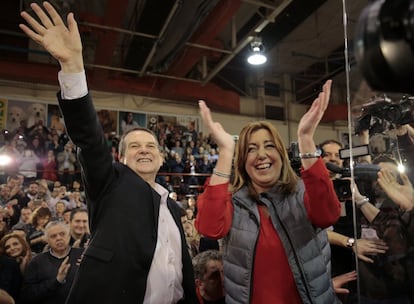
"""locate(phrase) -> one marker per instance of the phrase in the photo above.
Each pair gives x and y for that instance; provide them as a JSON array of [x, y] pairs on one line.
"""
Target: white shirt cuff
[[73, 85]]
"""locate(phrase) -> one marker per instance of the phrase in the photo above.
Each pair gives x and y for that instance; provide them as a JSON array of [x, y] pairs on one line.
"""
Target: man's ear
[[198, 282]]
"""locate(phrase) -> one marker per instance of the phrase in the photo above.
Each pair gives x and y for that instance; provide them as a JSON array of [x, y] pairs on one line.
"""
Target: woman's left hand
[[313, 116]]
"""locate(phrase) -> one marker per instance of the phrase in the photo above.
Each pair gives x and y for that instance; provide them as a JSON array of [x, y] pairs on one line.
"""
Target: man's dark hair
[[76, 210], [200, 261]]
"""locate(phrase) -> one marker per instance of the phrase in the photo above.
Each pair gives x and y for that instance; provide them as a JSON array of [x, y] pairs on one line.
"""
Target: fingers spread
[[57, 20], [47, 23]]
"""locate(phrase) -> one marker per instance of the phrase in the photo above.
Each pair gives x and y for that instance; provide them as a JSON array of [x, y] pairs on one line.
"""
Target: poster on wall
[[3, 113], [108, 120], [21, 113], [55, 120], [131, 120]]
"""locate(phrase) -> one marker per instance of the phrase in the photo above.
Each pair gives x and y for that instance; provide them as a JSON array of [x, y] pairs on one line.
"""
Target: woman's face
[[263, 163], [42, 221], [13, 247]]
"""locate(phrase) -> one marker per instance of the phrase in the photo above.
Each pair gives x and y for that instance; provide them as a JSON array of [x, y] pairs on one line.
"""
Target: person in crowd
[[55, 144], [178, 149], [191, 167], [49, 167], [5, 195], [76, 200], [37, 145], [151, 265], [174, 196], [49, 276], [79, 228], [4, 228], [66, 216], [30, 194], [271, 216], [209, 277], [5, 298], [10, 276], [59, 194], [35, 231], [28, 165], [390, 279], [192, 237], [15, 246], [341, 237], [58, 211], [25, 217], [205, 167], [66, 162], [128, 122]]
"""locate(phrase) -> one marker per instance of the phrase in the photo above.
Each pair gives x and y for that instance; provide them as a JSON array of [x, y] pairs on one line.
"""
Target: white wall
[[252, 109]]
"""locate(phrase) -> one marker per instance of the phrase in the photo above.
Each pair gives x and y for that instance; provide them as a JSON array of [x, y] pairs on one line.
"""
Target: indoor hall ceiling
[[187, 50]]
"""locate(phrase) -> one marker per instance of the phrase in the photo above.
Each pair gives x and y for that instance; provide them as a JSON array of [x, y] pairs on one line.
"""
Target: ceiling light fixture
[[256, 56]]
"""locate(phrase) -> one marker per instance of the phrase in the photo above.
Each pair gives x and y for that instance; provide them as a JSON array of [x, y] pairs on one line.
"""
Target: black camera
[[293, 153], [384, 44], [342, 189], [382, 114]]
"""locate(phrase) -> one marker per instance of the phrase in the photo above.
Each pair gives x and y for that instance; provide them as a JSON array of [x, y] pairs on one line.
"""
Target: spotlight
[[256, 56]]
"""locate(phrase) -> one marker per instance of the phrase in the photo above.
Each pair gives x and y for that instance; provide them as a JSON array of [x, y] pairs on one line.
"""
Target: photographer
[[343, 245]]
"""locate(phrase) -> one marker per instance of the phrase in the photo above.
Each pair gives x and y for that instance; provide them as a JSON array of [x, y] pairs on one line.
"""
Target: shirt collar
[[162, 192]]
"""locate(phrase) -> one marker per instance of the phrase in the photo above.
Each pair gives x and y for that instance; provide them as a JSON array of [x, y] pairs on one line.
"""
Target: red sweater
[[272, 277]]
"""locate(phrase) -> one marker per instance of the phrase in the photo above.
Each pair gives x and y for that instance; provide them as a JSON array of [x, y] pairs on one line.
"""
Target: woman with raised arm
[[272, 250]]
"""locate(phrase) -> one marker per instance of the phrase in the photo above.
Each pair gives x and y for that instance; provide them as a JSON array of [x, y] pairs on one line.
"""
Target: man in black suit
[[137, 252]]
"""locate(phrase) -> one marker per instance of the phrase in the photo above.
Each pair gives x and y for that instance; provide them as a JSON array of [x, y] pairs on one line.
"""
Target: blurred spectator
[[49, 167], [16, 247], [66, 161], [79, 228], [50, 274], [209, 277], [29, 165], [36, 229]]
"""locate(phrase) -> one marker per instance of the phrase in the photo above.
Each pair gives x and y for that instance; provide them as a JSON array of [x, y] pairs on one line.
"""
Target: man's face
[[331, 155], [33, 189], [58, 238], [5, 192], [25, 215], [79, 223], [142, 153], [213, 281]]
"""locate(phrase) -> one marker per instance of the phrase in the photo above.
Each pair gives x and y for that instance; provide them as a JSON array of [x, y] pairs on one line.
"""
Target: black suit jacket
[[123, 215]]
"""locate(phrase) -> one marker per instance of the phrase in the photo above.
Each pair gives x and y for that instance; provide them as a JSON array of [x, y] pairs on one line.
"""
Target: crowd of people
[[266, 237]]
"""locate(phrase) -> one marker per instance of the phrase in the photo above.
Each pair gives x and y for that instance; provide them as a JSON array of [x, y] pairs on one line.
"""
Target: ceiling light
[[256, 56]]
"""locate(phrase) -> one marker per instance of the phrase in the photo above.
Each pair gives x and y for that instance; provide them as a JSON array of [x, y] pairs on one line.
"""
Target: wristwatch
[[350, 242]]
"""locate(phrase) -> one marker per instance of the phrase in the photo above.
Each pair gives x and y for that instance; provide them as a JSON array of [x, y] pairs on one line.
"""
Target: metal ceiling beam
[[214, 24], [256, 29], [106, 46], [160, 35]]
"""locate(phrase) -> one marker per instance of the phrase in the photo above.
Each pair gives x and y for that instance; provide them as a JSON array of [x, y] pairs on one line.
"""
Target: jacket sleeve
[[85, 131], [214, 211], [321, 201]]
